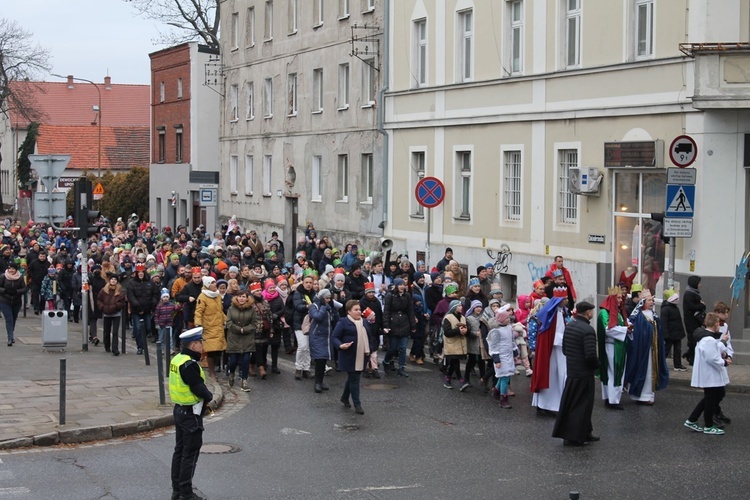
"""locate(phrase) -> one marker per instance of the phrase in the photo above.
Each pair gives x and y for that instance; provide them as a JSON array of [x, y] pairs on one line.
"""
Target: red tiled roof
[[122, 147], [122, 105]]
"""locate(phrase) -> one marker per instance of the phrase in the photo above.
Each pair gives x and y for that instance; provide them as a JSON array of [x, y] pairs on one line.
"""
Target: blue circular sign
[[430, 192]]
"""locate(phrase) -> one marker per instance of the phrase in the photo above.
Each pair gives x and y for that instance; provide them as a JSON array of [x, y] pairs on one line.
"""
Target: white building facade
[[504, 101]]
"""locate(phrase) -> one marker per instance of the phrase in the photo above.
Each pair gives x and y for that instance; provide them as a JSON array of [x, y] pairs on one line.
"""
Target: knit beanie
[[453, 305]]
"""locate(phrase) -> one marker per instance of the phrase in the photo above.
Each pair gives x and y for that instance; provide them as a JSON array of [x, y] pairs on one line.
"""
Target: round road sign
[[683, 151], [430, 192]]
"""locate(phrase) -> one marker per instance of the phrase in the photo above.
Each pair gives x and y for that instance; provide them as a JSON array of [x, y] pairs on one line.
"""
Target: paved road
[[416, 440]]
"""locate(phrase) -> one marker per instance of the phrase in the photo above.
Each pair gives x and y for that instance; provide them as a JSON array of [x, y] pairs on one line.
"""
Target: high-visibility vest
[[179, 391]]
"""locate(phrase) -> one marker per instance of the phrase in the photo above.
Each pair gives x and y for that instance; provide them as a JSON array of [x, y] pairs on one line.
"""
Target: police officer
[[188, 391]]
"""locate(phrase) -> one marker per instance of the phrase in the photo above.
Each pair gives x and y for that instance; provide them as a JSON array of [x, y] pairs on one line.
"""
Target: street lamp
[[99, 114]]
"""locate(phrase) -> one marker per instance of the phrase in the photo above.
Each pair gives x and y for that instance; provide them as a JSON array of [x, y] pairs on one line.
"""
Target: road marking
[[379, 488], [19, 490], [287, 431]]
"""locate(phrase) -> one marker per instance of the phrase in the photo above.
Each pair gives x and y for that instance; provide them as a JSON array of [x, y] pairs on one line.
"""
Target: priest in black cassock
[[573, 422]]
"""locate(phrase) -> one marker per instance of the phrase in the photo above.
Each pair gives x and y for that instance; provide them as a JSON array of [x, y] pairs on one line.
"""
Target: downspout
[[381, 110]]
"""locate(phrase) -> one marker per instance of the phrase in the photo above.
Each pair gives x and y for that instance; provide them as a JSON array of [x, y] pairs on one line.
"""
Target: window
[[235, 30], [250, 27], [179, 88], [516, 36], [573, 33], [267, 164], [465, 48], [369, 81], [317, 178], [368, 6], [567, 202], [292, 94], [343, 93], [233, 160], [162, 92], [368, 178], [420, 52], [162, 146], [268, 21], [463, 185], [417, 174], [644, 28], [512, 186], [343, 9], [292, 16], [178, 146], [343, 178], [234, 95], [317, 96], [249, 174], [268, 98], [317, 13], [250, 104]]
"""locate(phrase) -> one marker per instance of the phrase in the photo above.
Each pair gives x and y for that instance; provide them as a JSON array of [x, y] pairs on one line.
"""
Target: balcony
[[722, 74]]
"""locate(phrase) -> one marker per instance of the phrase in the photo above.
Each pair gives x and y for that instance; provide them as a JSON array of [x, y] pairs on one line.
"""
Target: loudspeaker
[[386, 243]]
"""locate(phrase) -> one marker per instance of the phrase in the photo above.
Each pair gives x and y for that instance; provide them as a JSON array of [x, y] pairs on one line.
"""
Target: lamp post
[[99, 115]]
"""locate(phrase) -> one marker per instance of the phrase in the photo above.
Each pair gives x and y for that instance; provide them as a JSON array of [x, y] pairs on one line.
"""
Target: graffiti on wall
[[535, 271], [501, 257]]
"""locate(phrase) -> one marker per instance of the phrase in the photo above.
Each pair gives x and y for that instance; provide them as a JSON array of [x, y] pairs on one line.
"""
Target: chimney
[[108, 83], [70, 81]]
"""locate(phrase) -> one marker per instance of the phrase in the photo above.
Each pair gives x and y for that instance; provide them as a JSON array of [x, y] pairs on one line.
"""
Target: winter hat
[[207, 280], [164, 293], [671, 296], [434, 275], [453, 305], [501, 315], [473, 282], [324, 293], [233, 269], [222, 282], [418, 276], [480, 269], [451, 288], [339, 277], [474, 305], [398, 281], [694, 281], [328, 269]]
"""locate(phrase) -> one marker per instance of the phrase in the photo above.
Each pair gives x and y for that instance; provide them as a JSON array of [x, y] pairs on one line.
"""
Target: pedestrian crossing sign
[[680, 201]]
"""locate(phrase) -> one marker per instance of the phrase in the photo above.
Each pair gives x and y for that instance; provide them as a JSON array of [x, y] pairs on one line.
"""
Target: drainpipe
[[381, 110]]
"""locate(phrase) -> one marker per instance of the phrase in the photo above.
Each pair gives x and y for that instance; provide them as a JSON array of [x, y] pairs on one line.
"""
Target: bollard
[[144, 341], [160, 372], [62, 391], [123, 326], [168, 351], [574, 495]]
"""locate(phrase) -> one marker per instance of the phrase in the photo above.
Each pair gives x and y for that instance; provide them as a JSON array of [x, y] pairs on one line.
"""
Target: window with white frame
[[292, 94], [268, 22], [573, 33], [368, 6], [343, 9], [567, 202], [249, 174], [162, 92], [417, 167], [420, 52], [316, 187], [368, 179], [268, 98], [463, 185], [343, 91], [512, 186], [516, 36], [342, 178], [369, 81], [317, 13], [267, 170], [292, 16], [250, 104], [179, 88], [250, 27], [234, 96], [235, 30], [644, 28], [233, 161], [317, 96], [465, 49]]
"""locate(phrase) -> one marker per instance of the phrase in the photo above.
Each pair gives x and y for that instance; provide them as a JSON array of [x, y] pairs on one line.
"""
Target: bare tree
[[191, 19], [21, 60]]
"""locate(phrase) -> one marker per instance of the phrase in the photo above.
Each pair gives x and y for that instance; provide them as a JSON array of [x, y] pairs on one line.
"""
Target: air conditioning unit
[[584, 180]]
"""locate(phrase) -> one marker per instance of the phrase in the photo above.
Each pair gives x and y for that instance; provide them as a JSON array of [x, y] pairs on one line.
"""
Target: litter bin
[[54, 329]]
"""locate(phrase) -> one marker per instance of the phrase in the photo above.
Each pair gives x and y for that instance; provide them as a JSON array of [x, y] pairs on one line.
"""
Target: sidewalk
[[106, 396]]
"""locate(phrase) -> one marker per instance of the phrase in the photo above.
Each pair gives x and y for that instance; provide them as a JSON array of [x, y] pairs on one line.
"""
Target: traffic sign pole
[[430, 192]]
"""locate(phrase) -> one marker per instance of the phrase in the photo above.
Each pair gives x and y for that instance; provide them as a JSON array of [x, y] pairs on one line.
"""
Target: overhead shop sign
[[634, 154]]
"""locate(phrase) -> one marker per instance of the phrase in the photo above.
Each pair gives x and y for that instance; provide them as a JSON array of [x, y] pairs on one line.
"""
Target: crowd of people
[[335, 307]]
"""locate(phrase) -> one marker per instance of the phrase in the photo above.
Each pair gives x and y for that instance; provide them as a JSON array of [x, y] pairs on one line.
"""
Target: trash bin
[[54, 329]]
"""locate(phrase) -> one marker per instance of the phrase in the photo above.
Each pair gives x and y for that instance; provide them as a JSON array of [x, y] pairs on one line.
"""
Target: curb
[[102, 432], [738, 389]]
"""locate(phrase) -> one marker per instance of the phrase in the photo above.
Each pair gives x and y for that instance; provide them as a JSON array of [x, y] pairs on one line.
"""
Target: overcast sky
[[89, 38]]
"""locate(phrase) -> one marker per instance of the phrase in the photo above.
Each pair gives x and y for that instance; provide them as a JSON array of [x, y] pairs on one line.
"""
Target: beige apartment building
[[299, 127], [519, 105]]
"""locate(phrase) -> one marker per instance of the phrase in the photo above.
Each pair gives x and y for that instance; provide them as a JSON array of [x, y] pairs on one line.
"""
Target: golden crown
[[614, 290]]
